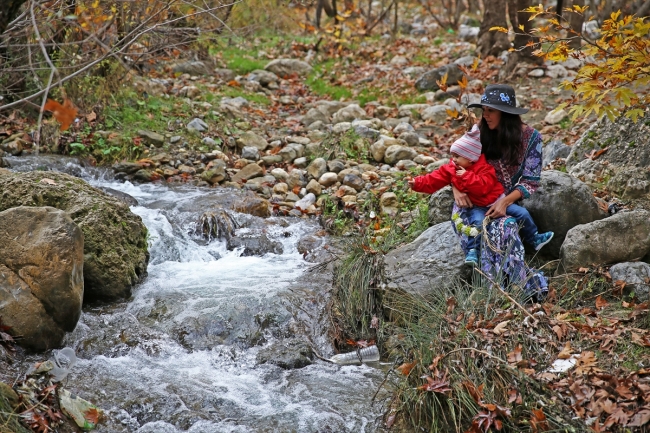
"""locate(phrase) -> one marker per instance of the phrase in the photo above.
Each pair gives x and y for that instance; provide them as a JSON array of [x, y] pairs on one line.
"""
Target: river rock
[[378, 150], [556, 116], [428, 80], [126, 167], [287, 67], [248, 138], [560, 203], [248, 172], [328, 179], [41, 274], [314, 187], [216, 174], [13, 147], [623, 237], [388, 204], [636, 276], [263, 77], [296, 179], [440, 205], [197, 125], [254, 245], [125, 198], [349, 113], [317, 168], [115, 240], [315, 115], [354, 181], [431, 261], [250, 152], [151, 137], [397, 153], [437, 113], [287, 354], [253, 205]]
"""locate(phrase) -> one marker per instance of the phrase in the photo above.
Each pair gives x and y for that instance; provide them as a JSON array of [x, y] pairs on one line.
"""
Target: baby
[[470, 173]]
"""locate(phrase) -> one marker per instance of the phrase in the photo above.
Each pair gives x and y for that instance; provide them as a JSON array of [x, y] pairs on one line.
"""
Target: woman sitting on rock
[[514, 149]]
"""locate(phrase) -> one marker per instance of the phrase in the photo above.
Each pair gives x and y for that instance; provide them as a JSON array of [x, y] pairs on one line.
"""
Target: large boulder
[[433, 260], [41, 274], [561, 203], [440, 205], [622, 237], [115, 240]]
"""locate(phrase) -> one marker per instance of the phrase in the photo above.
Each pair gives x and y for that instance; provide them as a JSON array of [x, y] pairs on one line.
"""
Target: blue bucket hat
[[500, 97]]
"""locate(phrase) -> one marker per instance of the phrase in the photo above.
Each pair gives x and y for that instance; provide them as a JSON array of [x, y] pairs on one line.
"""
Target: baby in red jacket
[[470, 173]]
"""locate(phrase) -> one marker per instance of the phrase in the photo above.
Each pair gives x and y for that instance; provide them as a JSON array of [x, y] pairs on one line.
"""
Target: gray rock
[[630, 182], [41, 275], [248, 172], [397, 153], [354, 181], [561, 203], [349, 113], [263, 77], [300, 162], [468, 34], [414, 71], [636, 276], [191, 92], [440, 205], [378, 150], [254, 245], [366, 132], [428, 80], [280, 174], [296, 178], [250, 152], [125, 198], [192, 68], [437, 113], [554, 149], [432, 261], [126, 167], [287, 354], [408, 110], [197, 125], [335, 165], [556, 116], [388, 204], [150, 137], [13, 147], [411, 138], [225, 74], [403, 127], [287, 67], [315, 115], [248, 139], [317, 168], [623, 237]]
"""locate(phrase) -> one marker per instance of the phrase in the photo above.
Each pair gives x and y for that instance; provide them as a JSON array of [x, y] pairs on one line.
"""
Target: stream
[[182, 354]]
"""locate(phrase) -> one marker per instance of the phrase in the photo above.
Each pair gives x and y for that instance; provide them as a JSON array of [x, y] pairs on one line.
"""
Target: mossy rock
[[9, 420], [115, 239]]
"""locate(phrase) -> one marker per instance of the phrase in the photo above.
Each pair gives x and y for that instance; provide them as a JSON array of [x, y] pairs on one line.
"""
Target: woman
[[514, 149]]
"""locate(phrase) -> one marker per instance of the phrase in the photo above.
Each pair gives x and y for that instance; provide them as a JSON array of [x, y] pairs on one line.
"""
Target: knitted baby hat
[[469, 145]]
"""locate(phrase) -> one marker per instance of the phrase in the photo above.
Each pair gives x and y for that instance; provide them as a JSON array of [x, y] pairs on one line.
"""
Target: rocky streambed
[[218, 337]]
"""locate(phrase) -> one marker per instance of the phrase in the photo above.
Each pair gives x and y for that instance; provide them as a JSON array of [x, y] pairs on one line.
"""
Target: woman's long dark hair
[[504, 142]]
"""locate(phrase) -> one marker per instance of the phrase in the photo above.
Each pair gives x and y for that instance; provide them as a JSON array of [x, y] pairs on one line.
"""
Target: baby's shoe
[[542, 239], [472, 257]]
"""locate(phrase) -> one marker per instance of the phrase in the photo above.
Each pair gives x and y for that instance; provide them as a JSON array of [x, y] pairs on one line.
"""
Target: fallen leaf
[[64, 114], [48, 181], [566, 352], [92, 415], [92, 116], [515, 356], [601, 302], [640, 418], [501, 327], [406, 368]]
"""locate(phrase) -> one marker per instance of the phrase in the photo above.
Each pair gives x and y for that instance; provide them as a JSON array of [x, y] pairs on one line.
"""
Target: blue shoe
[[542, 239], [472, 257]]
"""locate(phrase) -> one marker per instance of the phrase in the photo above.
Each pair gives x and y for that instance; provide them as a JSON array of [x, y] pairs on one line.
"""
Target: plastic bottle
[[367, 354]]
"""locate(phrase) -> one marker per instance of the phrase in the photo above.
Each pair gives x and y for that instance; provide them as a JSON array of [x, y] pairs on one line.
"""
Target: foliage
[[616, 71]]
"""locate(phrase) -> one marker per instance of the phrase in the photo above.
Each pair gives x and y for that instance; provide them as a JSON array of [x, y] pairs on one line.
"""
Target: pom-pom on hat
[[500, 97], [469, 145]]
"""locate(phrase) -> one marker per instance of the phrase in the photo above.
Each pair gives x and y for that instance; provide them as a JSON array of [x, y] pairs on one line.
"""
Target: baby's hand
[[460, 170], [410, 181]]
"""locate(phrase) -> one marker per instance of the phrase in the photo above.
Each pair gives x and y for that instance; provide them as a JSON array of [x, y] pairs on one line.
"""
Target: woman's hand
[[498, 209], [461, 199]]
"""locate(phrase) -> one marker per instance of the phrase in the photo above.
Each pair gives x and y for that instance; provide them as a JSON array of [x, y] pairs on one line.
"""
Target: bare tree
[[8, 12], [492, 42]]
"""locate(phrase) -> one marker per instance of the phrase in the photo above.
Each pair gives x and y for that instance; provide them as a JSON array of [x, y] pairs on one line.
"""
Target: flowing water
[[182, 353]]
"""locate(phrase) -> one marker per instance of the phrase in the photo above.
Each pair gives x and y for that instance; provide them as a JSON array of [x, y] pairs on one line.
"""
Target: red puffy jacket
[[479, 182]]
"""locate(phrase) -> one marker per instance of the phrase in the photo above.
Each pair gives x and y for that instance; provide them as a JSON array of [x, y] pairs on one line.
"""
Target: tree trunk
[[493, 42], [523, 53], [512, 14], [8, 12], [644, 9], [576, 20], [559, 7]]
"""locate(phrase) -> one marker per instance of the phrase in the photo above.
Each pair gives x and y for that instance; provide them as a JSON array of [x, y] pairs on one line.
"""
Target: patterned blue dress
[[502, 252]]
